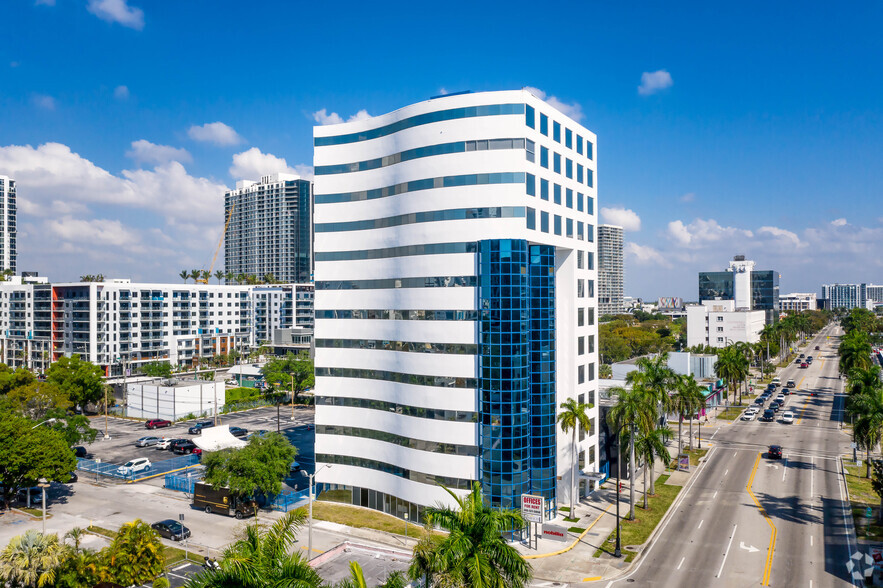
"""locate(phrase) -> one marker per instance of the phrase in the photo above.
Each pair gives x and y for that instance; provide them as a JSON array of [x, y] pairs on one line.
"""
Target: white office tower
[[610, 269], [741, 270], [7, 223], [455, 303]]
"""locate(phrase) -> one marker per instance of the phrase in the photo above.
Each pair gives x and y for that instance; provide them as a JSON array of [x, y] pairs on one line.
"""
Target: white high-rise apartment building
[[270, 228], [117, 322], [7, 224], [455, 301], [611, 276], [846, 296]]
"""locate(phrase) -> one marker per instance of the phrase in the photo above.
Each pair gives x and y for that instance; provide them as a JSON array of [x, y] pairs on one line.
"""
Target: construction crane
[[218, 248]]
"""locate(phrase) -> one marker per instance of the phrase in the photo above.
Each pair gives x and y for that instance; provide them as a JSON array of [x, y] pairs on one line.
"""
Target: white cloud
[[144, 151], [151, 224], [252, 164], [646, 255], [216, 132], [574, 111], [787, 238], [117, 11], [688, 197], [653, 82], [442, 92], [43, 101], [626, 218], [121, 93], [839, 222], [701, 232], [323, 117]]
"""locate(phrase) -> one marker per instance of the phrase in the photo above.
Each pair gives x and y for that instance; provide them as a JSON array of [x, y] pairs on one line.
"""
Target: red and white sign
[[532, 508], [554, 533]]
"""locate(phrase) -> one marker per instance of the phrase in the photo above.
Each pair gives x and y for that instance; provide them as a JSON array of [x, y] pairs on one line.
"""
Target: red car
[[157, 423], [804, 365]]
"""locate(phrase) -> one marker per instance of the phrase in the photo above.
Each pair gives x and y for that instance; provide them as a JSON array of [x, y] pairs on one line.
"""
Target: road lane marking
[[726, 552], [810, 540], [812, 469], [682, 562], [714, 495], [726, 472], [784, 469], [592, 579], [702, 521], [772, 548]]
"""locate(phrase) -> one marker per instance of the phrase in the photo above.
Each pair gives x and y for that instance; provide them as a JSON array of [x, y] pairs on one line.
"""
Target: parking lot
[[123, 433]]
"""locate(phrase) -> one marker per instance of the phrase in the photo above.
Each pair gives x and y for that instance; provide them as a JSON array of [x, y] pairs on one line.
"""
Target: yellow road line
[[162, 474], [592, 579], [772, 548], [577, 540]]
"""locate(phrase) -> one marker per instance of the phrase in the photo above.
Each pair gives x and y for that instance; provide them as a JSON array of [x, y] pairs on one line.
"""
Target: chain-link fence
[[128, 473]]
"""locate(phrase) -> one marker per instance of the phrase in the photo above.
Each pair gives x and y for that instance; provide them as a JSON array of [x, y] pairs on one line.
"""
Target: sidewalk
[[574, 562]]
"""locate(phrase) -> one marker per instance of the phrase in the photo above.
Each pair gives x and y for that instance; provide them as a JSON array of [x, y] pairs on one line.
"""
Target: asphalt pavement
[[746, 519]]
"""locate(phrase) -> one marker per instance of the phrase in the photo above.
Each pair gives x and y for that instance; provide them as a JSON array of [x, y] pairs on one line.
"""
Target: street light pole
[[43, 485], [292, 396]]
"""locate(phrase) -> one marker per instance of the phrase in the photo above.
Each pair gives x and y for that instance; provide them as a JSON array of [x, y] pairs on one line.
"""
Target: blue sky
[[758, 128]]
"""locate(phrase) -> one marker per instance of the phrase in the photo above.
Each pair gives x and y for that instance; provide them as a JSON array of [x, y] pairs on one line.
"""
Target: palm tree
[[229, 277], [867, 409], [656, 377], [76, 536], [634, 409], [855, 352], [649, 445], [136, 554], [860, 380], [474, 553], [195, 274], [262, 557], [695, 398], [727, 368], [682, 403], [357, 579], [184, 275], [240, 278], [268, 279], [573, 416], [219, 275], [31, 559]]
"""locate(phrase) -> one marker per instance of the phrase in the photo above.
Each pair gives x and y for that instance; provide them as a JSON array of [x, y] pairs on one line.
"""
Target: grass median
[[731, 413], [637, 532], [862, 497], [362, 518], [695, 456]]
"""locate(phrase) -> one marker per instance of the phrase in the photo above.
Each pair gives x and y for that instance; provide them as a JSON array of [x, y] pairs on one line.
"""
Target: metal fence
[[120, 472], [184, 481], [287, 500]]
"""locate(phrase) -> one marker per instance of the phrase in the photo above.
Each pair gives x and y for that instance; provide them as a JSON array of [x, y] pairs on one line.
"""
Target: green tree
[[38, 398], [259, 466], [683, 404], [570, 419], [650, 445], [29, 451], [157, 369], [136, 554], [219, 275], [877, 485], [357, 579], [855, 352], [261, 558], [292, 369], [76, 428], [867, 410], [861, 320], [728, 368], [635, 409], [605, 372], [81, 569], [184, 275], [474, 553], [31, 560], [695, 398], [82, 381], [11, 379]]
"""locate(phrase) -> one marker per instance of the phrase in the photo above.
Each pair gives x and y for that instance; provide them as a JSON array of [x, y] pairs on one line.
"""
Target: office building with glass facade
[[270, 229], [455, 301], [751, 289]]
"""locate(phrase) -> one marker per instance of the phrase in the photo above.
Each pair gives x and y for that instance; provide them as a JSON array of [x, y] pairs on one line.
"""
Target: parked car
[[36, 494], [134, 466], [165, 443], [74, 478], [171, 529], [184, 446], [157, 423], [147, 441], [80, 451], [790, 384], [788, 418], [774, 452], [197, 427], [238, 431], [258, 433]]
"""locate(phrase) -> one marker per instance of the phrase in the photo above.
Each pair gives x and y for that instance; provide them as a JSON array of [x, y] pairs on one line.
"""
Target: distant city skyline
[[122, 150]]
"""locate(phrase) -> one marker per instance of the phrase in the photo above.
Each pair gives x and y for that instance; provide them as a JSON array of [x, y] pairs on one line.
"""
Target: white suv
[[136, 465]]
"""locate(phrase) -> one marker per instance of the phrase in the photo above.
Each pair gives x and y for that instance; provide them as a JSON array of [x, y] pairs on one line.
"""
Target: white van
[[136, 465]]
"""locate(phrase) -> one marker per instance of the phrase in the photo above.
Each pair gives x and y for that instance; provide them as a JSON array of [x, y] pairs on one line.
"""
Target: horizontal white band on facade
[[444, 431], [424, 330], [423, 364], [457, 264], [415, 492], [410, 394], [453, 466], [417, 298]]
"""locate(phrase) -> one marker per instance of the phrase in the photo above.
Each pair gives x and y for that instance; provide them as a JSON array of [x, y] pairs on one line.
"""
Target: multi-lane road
[[747, 520]]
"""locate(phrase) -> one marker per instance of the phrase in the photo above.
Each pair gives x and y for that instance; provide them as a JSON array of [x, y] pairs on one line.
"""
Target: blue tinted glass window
[[568, 198], [579, 173], [590, 232], [531, 185], [529, 116], [589, 150], [568, 138], [579, 202], [579, 144], [590, 204], [557, 160], [544, 124], [569, 226], [544, 189], [557, 225], [579, 232], [568, 168], [529, 150], [544, 157], [544, 221], [590, 178], [556, 131], [557, 194], [531, 218]]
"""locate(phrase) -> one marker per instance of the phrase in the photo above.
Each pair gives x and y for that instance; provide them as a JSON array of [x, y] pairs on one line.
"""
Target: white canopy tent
[[216, 438]]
